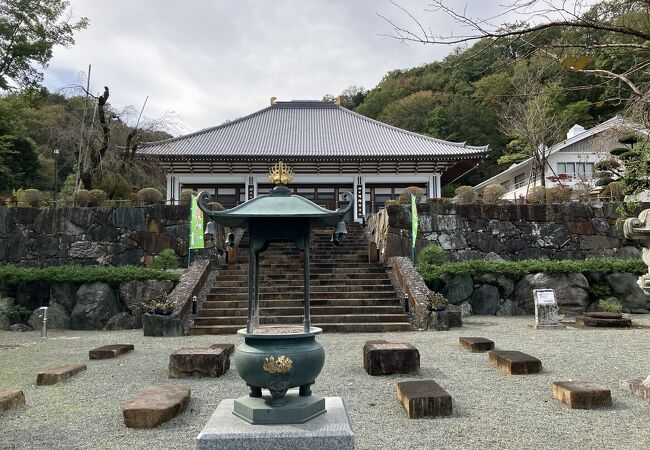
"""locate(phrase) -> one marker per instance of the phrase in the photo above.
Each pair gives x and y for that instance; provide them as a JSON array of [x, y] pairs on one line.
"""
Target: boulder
[[19, 327], [57, 317], [510, 308], [627, 290], [32, 295], [64, 294], [505, 284], [96, 304], [5, 302], [134, 294], [571, 290], [485, 242], [485, 300], [628, 252], [123, 321], [458, 288]]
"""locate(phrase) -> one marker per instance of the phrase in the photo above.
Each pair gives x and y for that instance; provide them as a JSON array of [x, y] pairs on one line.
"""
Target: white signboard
[[545, 296]]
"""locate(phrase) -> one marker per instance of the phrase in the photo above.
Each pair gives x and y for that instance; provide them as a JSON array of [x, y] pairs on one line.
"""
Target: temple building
[[330, 149]]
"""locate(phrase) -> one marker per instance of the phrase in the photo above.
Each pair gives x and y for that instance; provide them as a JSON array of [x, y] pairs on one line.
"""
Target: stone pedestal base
[[258, 410], [329, 431]]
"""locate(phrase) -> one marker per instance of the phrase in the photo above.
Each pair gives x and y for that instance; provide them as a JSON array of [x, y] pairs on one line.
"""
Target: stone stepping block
[[424, 398], [200, 362], [229, 348], [10, 398], [600, 322], [387, 358], [638, 387], [514, 363], [156, 405], [604, 315], [581, 395], [476, 344], [110, 351], [58, 374]]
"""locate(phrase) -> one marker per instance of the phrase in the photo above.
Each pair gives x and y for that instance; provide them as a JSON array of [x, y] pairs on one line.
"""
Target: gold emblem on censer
[[281, 365]]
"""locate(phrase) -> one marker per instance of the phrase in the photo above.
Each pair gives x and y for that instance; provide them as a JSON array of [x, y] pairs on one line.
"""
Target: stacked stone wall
[[40, 237], [509, 232]]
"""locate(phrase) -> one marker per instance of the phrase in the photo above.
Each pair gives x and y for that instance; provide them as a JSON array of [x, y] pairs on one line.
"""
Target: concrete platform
[[329, 431]]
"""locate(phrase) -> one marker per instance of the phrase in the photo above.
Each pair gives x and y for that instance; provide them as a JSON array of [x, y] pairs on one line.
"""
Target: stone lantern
[[279, 358]]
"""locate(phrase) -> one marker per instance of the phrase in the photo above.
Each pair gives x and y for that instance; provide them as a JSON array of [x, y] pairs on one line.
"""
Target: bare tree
[[530, 116], [574, 33]]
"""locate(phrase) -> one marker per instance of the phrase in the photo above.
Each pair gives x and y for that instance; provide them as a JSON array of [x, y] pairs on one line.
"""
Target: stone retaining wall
[[510, 232], [105, 235], [502, 295], [90, 306]]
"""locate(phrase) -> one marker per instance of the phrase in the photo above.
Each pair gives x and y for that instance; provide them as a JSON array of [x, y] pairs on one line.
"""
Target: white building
[[575, 156], [329, 148]]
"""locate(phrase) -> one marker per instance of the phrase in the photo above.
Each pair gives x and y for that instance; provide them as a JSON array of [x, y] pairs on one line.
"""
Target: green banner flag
[[415, 220], [196, 225]]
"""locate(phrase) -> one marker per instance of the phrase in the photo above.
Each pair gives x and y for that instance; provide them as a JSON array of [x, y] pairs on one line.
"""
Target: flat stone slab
[[600, 322], [10, 398], [604, 315], [199, 362], [110, 351], [424, 398], [329, 431], [229, 348], [581, 395], [58, 374], [514, 363], [638, 387], [387, 358], [476, 344], [156, 405]]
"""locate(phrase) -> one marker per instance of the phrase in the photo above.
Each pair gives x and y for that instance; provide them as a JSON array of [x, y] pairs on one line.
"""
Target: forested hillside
[[469, 95]]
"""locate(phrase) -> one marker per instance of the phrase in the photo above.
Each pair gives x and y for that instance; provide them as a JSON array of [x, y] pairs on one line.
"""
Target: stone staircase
[[348, 294]]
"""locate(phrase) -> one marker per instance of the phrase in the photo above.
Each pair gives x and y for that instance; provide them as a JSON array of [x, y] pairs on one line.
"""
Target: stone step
[[296, 288], [298, 283], [327, 327], [10, 398], [156, 405], [277, 320], [59, 373], [297, 310], [299, 295], [298, 303], [226, 275]]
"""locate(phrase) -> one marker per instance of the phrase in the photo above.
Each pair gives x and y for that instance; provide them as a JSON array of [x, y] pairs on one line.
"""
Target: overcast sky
[[208, 61]]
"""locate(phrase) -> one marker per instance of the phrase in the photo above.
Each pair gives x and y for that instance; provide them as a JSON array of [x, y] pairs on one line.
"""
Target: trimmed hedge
[[10, 275], [517, 269]]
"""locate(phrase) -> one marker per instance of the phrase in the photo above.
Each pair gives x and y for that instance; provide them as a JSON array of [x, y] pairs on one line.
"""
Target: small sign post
[[546, 311]]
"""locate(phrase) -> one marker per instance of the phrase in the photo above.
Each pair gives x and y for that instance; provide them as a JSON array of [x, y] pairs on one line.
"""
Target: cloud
[[212, 61]]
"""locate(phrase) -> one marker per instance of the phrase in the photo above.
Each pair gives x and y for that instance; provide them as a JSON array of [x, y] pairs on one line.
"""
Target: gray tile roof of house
[[308, 129]]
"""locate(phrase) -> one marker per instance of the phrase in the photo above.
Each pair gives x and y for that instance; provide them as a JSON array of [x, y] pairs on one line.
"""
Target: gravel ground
[[491, 409]]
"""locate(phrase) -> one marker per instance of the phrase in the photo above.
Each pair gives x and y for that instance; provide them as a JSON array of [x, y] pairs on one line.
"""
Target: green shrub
[[12, 275], [609, 307], [82, 197], [405, 197], [559, 194], [433, 255], [33, 197], [465, 195], [600, 290], [167, 259], [186, 196], [97, 197], [215, 206], [516, 269], [614, 190], [150, 196], [436, 302], [16, 313], [536, 195], [493, 193]]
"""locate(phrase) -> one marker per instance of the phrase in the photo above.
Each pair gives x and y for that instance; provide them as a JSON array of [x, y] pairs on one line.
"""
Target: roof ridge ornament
[[280, 174]]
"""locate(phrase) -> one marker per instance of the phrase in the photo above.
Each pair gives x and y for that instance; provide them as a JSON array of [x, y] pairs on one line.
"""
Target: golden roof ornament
[[280, 174]]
